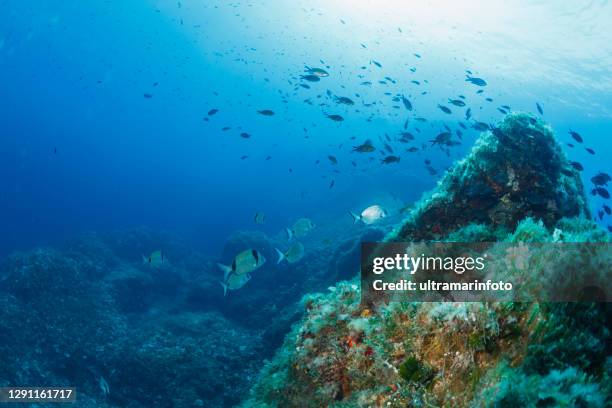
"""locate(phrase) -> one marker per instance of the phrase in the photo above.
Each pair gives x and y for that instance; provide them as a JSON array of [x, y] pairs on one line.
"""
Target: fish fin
[[289, 234], [145, 260], [226, 269], [356, 218], [224, 288], [281, 256]]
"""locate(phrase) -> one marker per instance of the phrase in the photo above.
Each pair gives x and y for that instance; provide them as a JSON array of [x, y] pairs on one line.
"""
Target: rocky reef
[[515, 171], [515, 186], [91, 314]]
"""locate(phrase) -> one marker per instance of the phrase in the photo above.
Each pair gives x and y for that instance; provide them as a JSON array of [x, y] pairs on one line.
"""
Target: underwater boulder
[[196, 353], [514, 171], [57, 323], [515, 185]]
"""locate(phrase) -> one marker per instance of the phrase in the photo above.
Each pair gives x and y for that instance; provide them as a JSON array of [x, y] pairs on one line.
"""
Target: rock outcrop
[[515, 186]]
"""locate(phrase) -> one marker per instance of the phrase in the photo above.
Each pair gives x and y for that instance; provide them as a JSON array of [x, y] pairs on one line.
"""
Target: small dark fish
[[588, 149], [266, 112], [602, 192], [344, 100], [540, 108], [505, 112], [268, 158], [570, 145], [412, 149], [212, 112], [245, 135], [390, 159], [607, 209], [378, 64], [364, 148], [577, 165], [489, 99], [468, 114], [444, 109], [244, 157], [319, 72], [335, 118], [476, 81], [388, 148], [462, 125], [406, 124], [406, 103], [442, 139], [332, 183], [456, 102], [480, 126], [147, 95], [600, 214], [427, 161], [406, 137], [226, 128], [311, 78], [431, 170], [332, 159], [576, 136], [601, 179]]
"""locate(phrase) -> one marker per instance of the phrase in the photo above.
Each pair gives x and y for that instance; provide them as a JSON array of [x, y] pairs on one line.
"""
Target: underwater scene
[[187, 185]]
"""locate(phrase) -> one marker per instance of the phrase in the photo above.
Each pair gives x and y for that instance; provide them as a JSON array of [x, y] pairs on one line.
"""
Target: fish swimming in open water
[[370, 215]]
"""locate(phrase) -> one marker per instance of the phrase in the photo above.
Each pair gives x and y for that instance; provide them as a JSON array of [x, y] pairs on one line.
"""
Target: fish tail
[[145, 260], [226, 269], [281, 256], [356, 218], [224, 288], [289, 234]]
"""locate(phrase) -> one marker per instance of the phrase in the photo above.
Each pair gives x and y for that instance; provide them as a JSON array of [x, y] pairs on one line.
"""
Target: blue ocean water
[[83, 149], [106, 122]]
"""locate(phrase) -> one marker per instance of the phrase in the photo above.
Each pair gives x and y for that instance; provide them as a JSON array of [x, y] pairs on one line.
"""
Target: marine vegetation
[[515, 186]]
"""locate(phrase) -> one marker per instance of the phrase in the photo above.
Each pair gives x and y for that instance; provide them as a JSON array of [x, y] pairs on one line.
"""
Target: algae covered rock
[[515, 186], [514, 171]]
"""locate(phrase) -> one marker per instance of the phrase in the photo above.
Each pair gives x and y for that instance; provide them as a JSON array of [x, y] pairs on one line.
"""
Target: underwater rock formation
[[86, 316], [515, 171], [515, 186]]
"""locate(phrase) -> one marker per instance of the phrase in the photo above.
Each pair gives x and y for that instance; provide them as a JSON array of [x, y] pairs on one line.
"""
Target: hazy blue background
[[82, 149]]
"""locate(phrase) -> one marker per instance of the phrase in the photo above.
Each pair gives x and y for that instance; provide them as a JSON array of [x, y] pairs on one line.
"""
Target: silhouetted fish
[[576, 136], [577, 165], [476, 81], [390, 159], [602, 192], [601, 179], [444, 109]]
